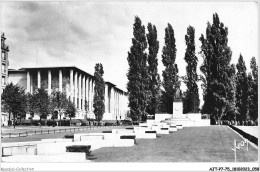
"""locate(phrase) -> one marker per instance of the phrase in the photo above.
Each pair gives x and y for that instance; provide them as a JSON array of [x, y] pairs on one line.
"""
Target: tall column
[[80, 101], [28, 86], [93, 91], [106, 98], [60, 80], [39, 79], [49, 82], [87, 92], [71, 85], [90, 94], [83, 93], [112, 101], [31, 84], [76, 89], [119, 108]]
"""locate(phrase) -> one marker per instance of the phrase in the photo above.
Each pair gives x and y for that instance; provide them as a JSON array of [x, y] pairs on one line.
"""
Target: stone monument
[[177, 102], [178, 117]]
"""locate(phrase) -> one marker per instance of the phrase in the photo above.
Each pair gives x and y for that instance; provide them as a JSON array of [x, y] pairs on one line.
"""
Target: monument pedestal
[[177, 110], [178, 118]]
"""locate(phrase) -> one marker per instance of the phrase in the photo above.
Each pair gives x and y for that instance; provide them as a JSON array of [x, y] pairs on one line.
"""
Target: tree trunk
[[70, 121], [40, 121], [9, 120], [20, 120], [60, 117], [14, 120]]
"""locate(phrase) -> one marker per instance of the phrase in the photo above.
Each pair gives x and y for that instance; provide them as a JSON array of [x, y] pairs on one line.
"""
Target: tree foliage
[[99, 92], [242, 89], [231, 110], [70, 110], [170, 74], [42, 103], [14, 101], [59, 103], [138, 83], [216, 63], [253, 90], [154, 77], [191, 100]]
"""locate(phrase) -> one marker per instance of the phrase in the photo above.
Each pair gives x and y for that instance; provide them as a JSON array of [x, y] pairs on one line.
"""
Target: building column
[[93, 91], [111, 100], [31, 83], [76, 89], [80, 95], [39, 79], [87, 92], [83, 93], [49, 82], [71, 85], [90, 95], [106, 98], [28, 82], [60, 80]]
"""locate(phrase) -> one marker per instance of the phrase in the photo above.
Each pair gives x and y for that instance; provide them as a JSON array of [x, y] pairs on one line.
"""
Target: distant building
[[78, 86], [4, 62], [4, 73]]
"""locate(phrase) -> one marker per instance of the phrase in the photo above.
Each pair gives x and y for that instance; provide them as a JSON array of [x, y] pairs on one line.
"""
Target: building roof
[[24, 69], [58, 67]]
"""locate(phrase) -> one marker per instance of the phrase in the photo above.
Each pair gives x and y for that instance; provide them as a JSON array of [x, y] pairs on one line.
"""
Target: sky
[[82, 33]]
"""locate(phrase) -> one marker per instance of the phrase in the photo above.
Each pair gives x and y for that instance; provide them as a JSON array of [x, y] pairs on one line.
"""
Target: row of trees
[[228, 90], [18, 103], [144, 84], [143, 78]]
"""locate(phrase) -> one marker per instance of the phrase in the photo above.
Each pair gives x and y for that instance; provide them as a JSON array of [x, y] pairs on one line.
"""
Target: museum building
[[78, 86]]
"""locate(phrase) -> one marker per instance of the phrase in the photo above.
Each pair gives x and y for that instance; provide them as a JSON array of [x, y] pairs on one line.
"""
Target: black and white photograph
[[129, 85]]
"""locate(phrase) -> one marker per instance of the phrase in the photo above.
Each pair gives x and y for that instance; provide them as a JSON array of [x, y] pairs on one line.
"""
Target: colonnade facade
[[79, 88]]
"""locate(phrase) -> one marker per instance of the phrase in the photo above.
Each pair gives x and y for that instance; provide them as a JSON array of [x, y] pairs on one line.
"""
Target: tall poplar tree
[[154, 77], [192, 100], [137, 86], [216, 63], [170, 74], [242, 89], [231, 110], [253, 90], [99, 92]]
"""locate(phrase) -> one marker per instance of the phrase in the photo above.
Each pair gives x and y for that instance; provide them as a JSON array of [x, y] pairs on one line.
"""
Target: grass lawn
[[193, 144]]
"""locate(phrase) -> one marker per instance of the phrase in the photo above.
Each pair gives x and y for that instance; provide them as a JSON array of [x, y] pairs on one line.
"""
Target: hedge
[[110, 124], [129, 128], [106, 131], [150, 131], [164, 129], [251, 138], [79, 148], [127, 137], [69, 136]]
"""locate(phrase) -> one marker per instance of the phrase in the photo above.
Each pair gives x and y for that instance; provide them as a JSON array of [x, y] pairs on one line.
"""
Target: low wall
[[23, 150], [65, 157], [160, 117], [193, 116], [246, 135], [252, 130], [56, 140]]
